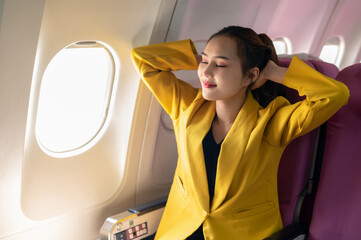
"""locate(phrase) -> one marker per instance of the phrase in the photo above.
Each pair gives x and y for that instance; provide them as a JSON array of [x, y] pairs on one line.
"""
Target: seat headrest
[[302, 56], [351, 77], [328, 69]]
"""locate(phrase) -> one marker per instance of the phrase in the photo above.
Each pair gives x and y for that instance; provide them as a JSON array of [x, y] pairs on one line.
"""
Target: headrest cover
[[351, 77]]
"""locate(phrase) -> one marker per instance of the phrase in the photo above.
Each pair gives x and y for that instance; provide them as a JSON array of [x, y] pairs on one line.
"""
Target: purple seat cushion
[[328, 69]]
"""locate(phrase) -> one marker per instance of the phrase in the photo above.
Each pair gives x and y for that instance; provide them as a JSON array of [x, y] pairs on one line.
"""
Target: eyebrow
[[222, 57]]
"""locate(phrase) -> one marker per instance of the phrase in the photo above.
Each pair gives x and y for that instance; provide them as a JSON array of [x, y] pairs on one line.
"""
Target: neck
[[226, 114], [227, 110]]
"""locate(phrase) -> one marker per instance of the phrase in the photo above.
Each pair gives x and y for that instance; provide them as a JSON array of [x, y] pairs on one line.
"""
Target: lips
[[208, 85]]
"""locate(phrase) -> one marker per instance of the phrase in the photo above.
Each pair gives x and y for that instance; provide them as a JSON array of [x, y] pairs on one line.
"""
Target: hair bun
[[265, 39]]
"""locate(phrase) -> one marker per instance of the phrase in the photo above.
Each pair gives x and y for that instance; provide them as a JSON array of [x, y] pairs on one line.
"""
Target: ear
[[251, 76]]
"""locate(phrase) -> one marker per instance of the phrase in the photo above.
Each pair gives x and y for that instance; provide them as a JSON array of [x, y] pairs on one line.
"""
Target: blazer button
[[205, 214]]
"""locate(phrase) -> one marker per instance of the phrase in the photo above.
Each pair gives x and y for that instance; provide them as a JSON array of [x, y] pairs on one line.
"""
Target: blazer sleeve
[[155, 63], [324, 96]]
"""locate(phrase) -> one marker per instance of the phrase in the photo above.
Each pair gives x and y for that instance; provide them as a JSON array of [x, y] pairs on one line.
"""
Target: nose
[[207, 71]]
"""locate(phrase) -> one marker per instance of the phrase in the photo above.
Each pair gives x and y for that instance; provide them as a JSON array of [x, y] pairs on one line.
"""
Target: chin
[[208, 97]]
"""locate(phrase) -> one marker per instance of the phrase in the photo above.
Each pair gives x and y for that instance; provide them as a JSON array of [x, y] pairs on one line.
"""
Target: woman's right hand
[[199, 58]]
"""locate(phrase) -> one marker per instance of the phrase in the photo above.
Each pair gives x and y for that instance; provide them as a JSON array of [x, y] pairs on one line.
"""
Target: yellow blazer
[[245, 204]]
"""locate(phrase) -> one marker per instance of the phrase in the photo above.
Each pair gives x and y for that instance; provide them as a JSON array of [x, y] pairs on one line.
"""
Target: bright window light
[[74, 97], [329, 53], [282, 46], [332, 51]]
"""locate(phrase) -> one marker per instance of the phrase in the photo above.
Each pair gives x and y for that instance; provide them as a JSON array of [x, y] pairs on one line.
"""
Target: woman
[[230, 139]]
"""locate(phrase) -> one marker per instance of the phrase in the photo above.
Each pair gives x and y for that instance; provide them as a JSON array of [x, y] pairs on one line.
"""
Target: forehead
[[222, 46]]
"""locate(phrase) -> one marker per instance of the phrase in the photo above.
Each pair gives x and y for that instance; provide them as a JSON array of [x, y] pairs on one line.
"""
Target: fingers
[[260, 80], [258, 83], [199, 58], [270, 72]]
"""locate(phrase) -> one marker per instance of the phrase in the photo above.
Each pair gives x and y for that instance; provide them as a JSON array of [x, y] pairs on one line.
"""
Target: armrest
[[138, 222], [291, 232], [149, 206]]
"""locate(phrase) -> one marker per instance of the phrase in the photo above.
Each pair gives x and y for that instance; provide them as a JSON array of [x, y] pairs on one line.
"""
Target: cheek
[[199, 71], [231, 81], [238, 78]]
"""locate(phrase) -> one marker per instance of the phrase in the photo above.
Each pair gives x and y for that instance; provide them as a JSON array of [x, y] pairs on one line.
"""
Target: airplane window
[[282, 45], [332, 51], [74, 97]]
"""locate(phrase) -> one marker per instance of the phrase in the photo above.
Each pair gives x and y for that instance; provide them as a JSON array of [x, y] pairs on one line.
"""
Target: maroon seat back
[[295, 163], [329, 70], [337, 209]]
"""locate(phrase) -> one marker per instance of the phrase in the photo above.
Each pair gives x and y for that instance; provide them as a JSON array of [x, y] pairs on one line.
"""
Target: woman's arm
[[324, 96], [155, 63]]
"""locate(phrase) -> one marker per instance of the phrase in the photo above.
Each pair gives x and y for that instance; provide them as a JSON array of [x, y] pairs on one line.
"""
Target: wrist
[[279, 74]]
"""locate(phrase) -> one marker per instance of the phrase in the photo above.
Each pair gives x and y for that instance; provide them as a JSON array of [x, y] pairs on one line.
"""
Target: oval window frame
[[112, 73], [339, 42], [287, 45]]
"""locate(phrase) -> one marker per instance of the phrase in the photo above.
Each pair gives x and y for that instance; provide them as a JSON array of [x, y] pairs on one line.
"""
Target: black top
[[211, 152]]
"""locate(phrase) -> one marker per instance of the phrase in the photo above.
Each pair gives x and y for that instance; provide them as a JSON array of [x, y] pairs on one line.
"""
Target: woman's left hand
[[271, 72]]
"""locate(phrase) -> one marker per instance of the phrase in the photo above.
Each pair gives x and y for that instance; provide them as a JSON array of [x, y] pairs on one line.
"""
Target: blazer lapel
[[233, 147], [200, 122]]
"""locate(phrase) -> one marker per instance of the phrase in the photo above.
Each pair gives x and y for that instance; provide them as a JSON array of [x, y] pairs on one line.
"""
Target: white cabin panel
[[65, 198], [346, 24]]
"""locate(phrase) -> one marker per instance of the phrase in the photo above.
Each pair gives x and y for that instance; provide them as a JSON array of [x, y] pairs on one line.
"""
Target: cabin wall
[[31, 33], [307, 24], [302, 24], [278, 18], [346, 24], [19, 33]]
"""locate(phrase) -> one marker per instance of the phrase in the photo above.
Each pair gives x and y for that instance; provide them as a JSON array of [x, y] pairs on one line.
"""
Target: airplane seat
[[293, 172], [328, 69], [294, 163], [299, 166], [337, 211], [296, 160]]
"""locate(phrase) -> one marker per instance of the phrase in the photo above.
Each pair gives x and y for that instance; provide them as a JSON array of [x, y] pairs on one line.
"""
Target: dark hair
[[254, 51]]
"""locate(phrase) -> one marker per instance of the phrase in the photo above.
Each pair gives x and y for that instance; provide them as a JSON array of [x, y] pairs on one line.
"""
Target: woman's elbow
[[343, 94]]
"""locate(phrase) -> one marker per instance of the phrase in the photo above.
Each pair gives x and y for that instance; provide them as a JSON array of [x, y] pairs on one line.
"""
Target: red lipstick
[[208, 85]]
